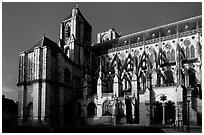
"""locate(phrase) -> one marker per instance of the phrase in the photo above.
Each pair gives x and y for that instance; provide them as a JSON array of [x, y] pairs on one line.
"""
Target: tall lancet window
[[192, 52], [67, 31], [168, 55], [187, 53], [172, 55]]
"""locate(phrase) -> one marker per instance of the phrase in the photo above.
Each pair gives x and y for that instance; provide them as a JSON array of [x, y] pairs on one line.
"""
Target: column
[[134, 85], [163, 115], [100, 82], [116, 86]]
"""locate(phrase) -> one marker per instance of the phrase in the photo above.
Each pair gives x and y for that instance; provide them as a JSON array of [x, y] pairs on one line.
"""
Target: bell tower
[[75, 35]]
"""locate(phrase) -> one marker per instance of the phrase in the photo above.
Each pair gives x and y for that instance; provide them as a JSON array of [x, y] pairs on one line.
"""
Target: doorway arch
[[91, 109], [169, 112], [29, 112]]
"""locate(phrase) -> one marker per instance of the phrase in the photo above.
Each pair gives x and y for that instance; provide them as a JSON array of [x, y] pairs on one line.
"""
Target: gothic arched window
[[67, 31], [172, 55], [152, 58], [168, 55], [168, 77], [106, 108], [91, 109], [187, 52], [192, 52], [192, 77]]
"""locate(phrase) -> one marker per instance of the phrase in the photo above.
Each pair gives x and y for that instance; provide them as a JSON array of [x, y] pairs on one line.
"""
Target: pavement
[[196, 129], [127, 128]]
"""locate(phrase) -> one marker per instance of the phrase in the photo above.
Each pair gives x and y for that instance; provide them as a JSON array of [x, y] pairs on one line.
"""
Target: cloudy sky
[[23, 24]]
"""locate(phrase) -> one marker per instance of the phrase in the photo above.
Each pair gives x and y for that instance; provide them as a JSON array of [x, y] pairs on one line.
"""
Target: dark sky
[[23, 24]]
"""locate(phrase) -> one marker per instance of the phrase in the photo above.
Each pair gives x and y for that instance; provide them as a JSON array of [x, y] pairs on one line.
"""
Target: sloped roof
[[192, 23], [44, 41]]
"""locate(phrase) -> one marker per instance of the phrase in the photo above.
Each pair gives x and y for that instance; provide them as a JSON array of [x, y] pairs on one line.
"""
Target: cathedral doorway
[[29, 112], [158, 112], [170, 112], [119, 112], [128, 110], [91, 109]]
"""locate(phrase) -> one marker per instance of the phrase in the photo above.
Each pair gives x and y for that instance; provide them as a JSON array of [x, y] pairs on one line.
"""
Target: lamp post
[[178, 117], [188, 113], [163, 98]]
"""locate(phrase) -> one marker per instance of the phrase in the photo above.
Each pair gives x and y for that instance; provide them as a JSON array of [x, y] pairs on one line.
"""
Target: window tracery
[[106, 108]]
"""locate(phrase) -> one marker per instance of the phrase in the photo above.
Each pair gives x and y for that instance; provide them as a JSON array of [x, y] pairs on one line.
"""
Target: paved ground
[[101, 129], [84, 129], [182, 130]]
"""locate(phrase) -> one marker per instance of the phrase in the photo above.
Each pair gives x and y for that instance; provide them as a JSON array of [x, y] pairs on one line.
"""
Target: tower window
[[192, 52], [187, 52], [67, 31]]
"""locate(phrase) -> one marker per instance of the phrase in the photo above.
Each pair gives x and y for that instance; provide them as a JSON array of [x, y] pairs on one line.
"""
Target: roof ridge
[[162, 26]]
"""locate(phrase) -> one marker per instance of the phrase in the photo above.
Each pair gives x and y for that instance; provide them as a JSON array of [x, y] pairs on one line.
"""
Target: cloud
[[10, 92], [7, 89]]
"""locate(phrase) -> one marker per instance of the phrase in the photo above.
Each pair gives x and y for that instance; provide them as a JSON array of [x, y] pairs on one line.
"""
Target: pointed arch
[[120, 106], [168, 77], [115, 62], [192, 51], [106, 108], [187, 52], [68, 30], [126, 82], [168, 55], [152, 58], [91, 109], [184, 53], [128, 64], [192, 77], [172, 55], [29, 111]]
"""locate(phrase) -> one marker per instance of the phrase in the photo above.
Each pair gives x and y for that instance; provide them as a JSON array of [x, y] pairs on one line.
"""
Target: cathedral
[[148, 77]]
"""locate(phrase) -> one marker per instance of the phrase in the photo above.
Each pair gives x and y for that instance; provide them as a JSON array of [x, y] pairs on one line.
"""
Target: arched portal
[[169, 112], [29, 112], [91, 109], [168, 78], [119, 112], [157, 112]]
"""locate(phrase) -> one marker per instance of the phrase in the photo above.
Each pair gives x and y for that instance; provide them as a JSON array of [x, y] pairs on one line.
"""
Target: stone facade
[[118, 80]]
